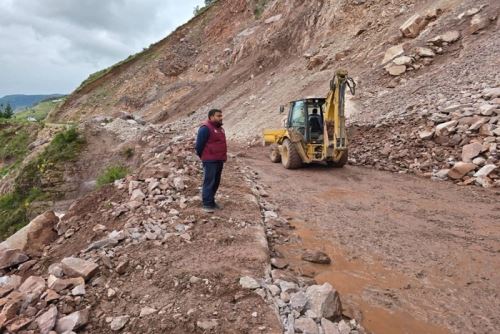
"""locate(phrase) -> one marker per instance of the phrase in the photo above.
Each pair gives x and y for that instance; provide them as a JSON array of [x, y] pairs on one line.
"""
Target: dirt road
[[409, 255]]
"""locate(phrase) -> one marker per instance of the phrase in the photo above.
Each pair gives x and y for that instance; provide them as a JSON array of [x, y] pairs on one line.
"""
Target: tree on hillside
[[6, 112], [208, 2]]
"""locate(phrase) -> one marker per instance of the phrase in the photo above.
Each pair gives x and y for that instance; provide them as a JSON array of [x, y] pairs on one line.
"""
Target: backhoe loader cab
[[314, 130]]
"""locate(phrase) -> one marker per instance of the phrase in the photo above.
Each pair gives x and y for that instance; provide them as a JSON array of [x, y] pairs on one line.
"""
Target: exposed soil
[[409, 255]]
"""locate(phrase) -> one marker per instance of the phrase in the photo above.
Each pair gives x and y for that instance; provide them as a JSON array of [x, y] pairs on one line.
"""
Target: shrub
[[111, 174]]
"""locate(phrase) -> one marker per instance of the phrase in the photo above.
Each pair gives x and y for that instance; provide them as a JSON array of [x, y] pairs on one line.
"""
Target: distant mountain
[[19, 102]]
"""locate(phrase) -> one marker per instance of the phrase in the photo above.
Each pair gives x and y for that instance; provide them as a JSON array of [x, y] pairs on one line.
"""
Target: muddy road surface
[[409, 255]]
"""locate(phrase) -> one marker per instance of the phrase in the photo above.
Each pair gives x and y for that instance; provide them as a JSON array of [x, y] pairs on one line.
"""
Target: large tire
[[342, 161], [274, 153], [290, 158]]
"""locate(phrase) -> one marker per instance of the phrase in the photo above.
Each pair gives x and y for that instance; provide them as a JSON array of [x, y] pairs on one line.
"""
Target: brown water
[[353, 278]]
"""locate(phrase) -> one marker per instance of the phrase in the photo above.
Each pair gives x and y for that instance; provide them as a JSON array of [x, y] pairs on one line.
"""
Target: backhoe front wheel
[[274, 153], [290, 158]]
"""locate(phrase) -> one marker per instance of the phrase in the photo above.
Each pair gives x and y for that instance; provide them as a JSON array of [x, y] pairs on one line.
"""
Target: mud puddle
[[365, 286]]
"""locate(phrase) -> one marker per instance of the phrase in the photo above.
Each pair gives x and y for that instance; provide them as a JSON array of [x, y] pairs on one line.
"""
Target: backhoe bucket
[[272, 136]]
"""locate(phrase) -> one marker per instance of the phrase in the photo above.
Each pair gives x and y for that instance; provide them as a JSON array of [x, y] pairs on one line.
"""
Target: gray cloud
[[50, 46]]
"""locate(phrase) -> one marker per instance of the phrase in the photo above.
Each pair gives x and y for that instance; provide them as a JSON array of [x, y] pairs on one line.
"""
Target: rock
[[477, 125], [487, 109], [34, 236], [47, 320], [11, 257], [448, 37], [486, 130], [471, 151], [491, 93], [207, 324], [479, 161], [306, 326], [279, 263], [395, 70], [426, 134], [324, 301], [477, 23], [74, 267], [344, 327], [56, 270], [10, 282], [78, 290], [101, 244], [329, 327], [460, 169], [59, 284], [412, 27], [273, 19], [179, 183], [287, 286], [316, 61], [403, 60], [316, 257], [496, 132], [18, 324], [145, 311], [247, 282], [137, 196], [392, 53], [445, 128], [485, 171], [33, 285], [424, 52], [73, 321], [275, 290], [121, 268], [119, 322], [298, 301]]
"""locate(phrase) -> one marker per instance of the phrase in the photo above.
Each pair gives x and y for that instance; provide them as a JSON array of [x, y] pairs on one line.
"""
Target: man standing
[[211, 147]]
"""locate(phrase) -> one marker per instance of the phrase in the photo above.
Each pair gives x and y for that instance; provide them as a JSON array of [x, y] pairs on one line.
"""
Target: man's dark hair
[[212, 112]]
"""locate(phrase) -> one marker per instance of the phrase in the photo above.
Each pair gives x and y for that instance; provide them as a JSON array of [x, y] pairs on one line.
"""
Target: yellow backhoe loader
[[314, 130]]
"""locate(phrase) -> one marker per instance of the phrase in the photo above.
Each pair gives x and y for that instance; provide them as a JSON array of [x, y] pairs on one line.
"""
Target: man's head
[[315, 111], [215, 115]]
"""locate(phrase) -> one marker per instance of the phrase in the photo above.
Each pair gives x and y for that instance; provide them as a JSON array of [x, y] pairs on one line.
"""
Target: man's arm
[[201, 140]]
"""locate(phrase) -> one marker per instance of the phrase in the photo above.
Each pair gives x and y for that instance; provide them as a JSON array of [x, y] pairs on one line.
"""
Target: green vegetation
[[198, 10], [128, 152], [28, 185], [6, 111], [260, 5], [14, 140], [111, 174], [40, 111]]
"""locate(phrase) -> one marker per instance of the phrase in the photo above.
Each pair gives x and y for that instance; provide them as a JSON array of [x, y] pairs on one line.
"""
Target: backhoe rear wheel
[[290, 158], [341, 163], [274, 153]]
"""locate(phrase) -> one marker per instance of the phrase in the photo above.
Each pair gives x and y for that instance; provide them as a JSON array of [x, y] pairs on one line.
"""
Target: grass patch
[[15, 137], [260, 5], [40, 111], [111, 174], [28, 186]]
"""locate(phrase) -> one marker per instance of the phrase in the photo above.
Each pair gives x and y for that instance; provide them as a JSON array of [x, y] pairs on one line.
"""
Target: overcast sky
[[51, 46]]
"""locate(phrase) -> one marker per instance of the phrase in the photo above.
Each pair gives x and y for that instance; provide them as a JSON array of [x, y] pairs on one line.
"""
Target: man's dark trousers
[[212, 171]]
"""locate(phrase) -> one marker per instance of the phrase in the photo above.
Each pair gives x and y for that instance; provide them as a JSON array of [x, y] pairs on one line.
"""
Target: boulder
[[306, 326], [424, 52], [487, 109], [413, 26], [316, 257], [446, 128], [392, 53], [403, 60], [324, 300], [47, 320], [491, 93], [470, 151], [11, 257], [477, 23], [329, 327], [486, 170], [73, 321], [75, 267], [33, 286], [137, 196], [426, 134], [247, 282], [448, 37], [395, 70], [460, 169], [34, 236]]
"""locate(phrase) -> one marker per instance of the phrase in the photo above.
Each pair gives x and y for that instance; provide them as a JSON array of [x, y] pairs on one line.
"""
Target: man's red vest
[[216, 147]]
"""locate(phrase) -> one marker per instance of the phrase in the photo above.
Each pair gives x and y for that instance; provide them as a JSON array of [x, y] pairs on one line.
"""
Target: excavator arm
[[335, 138]]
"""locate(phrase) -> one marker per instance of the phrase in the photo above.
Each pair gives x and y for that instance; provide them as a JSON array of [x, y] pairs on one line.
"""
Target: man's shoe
[[208, 209], [217, 206]]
